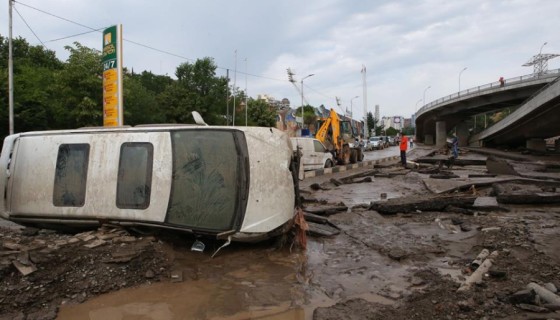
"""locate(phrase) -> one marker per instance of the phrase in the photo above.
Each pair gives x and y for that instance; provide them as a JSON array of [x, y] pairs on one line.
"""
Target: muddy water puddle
[[244, 282]]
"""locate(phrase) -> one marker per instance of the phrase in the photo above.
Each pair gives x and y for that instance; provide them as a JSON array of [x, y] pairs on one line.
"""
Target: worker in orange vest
[[404, 146]]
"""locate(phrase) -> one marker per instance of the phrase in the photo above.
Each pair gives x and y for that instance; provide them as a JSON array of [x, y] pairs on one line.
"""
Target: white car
[[376, 143], [314, 154]]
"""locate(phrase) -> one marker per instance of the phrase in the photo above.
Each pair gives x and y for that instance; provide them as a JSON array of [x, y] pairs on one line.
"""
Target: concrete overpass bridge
[[535, 98]]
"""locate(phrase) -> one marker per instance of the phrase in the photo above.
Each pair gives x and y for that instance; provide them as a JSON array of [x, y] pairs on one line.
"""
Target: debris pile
[[41, 269]]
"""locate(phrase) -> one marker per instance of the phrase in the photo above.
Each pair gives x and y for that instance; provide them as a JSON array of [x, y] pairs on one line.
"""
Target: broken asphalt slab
[[516, 193], [415, 204]]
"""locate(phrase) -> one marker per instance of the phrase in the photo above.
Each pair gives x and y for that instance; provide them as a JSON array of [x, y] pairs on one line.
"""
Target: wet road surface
[[374, 258]]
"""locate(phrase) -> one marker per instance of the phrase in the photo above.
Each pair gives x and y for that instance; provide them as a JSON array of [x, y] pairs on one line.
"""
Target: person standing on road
[[455, 147], [403, 146]]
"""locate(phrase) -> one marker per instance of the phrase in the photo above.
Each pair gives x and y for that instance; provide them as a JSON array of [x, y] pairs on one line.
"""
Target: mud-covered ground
[[404, 265]]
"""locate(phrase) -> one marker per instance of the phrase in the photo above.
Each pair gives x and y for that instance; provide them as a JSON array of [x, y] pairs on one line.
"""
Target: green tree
[[34, 94], [261, 114], [139, 103], [79, 87], [408, 131], [391, 131], [374, 123], [309, 115], [197, 89]]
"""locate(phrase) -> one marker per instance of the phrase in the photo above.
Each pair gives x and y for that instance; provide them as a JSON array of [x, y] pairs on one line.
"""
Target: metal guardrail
[[490, 86]]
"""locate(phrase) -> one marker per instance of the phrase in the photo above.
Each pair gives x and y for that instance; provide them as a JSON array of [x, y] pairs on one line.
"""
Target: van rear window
[[205, 183], [71, 175]]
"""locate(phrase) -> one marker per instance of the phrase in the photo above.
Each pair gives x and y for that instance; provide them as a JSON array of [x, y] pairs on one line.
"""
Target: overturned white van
[[224, 182]]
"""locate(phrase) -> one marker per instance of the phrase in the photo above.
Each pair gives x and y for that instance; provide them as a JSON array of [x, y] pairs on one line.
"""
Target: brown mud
[[398, 266]]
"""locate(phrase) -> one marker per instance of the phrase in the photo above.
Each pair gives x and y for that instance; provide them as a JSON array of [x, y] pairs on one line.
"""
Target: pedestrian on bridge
[[403, 146]]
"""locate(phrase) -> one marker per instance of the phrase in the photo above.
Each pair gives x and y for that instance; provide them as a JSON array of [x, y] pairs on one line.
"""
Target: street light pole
[[10, 73], [352, 114], [465, 68], [540, 51], [310, 75], [424, 96], [415, 112], [416, 107]]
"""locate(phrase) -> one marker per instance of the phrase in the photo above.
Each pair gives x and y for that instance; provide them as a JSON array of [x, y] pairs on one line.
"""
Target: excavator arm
[[329, 134]]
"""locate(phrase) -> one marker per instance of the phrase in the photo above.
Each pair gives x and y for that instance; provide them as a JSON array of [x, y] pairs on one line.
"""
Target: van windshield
[[206, 179]]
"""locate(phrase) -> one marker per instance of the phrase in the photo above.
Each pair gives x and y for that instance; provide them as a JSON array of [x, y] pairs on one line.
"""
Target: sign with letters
[[112, 77]]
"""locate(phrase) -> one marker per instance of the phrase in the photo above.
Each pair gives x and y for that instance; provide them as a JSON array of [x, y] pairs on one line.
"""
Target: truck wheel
[[345, 159], [328, 164], [353, 156]]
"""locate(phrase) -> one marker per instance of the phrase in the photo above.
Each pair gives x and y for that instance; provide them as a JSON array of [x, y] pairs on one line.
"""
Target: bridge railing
[[490, 86]]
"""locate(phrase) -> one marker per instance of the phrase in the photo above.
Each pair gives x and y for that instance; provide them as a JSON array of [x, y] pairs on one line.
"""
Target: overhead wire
[[76, 35], [28, 26], [138, 44]]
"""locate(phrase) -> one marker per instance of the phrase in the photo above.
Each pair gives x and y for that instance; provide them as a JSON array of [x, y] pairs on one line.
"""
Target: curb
[[320, 172]]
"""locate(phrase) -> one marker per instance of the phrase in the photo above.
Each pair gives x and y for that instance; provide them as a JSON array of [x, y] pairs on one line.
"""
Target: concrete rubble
[[384, 243]]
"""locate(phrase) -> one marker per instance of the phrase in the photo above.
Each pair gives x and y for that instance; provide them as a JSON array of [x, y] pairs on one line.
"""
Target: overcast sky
[[406, 46]]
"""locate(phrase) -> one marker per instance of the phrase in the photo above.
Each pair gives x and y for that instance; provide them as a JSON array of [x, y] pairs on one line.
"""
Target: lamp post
[[424, 96], [352, 111], [459, 92], [352, 115], [310, 75], [540, 51], [415, 112]]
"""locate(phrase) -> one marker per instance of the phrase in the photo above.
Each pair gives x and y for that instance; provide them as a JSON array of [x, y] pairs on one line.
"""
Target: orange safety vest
[[404, 143]]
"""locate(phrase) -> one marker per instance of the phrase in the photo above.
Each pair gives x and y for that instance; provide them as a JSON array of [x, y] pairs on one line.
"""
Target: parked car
[[367, 145], [376, 143], [314, 154]]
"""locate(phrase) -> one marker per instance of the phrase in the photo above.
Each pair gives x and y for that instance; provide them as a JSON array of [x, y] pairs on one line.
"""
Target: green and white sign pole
[[112, 77]]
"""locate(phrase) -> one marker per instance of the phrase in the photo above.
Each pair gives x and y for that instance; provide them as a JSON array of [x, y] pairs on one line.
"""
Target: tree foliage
[[54, 94]]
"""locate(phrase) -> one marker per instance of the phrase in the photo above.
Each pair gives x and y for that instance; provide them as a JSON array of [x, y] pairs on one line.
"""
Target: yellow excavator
[[337, 135]]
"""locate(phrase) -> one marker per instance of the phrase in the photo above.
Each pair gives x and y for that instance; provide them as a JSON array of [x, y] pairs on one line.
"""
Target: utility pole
[[10, 72], [227, 97], [234, 84], [310, 75], [246, 105], [366, 131]]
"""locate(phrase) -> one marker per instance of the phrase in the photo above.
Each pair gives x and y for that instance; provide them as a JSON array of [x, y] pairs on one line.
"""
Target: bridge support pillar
[[463, 134], [429, 140], [536, 145], [441, 134]]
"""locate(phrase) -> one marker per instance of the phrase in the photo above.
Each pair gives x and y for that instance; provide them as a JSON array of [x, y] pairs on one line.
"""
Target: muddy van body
[[215, 181]]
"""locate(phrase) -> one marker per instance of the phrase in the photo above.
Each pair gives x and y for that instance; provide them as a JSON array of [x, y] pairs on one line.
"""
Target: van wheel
[[328, 164]]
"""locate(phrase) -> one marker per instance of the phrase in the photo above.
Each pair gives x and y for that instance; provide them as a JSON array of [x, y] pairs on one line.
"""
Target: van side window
[[134, 183], [71, 175], [318, 146]]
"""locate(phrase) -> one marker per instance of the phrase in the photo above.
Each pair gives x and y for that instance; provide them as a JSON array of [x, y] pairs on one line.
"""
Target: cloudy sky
[[406, 46]]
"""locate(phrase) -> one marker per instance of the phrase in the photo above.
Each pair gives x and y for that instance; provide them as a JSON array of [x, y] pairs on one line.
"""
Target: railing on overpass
[[490, 86]]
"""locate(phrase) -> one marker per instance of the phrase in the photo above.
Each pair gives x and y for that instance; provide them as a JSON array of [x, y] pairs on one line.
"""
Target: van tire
[[328, 164]]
